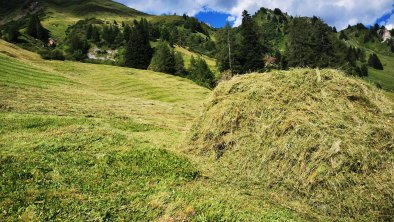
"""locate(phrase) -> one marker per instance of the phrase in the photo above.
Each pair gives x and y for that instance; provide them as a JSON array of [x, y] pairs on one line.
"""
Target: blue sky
[[338, 13], [214, 19]]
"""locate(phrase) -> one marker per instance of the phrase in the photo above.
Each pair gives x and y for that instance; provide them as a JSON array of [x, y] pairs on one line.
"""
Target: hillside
[[73, 8], [95, 142], [280, 119], [291, 135], [357, 37]]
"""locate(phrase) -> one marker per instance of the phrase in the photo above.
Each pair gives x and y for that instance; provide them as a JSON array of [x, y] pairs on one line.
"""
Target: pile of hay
[[318, 137]]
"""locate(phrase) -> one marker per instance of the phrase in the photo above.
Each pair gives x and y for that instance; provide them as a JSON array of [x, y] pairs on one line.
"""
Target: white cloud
[[337, 13], [389, 23]]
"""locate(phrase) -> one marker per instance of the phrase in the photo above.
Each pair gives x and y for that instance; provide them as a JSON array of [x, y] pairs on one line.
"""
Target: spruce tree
[[313, 44], [95, 37], [252, 50], [163, 59], [374, 62], [89, 32], [138, 50], [11, 32], [342, 35], [364, 70], [179, 65], [36, 30], [77, 47], [200, 73], [126, 33], [226, 41]]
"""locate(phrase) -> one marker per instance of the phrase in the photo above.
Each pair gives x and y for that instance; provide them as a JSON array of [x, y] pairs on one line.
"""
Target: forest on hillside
[[270, 39]]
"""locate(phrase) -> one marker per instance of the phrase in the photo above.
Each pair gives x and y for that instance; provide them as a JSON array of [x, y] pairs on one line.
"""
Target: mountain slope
[[95, 142], [356, 36]]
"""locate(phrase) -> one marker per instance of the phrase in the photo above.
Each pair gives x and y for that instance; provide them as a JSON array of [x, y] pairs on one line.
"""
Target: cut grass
[[318, 141], [84, 142]]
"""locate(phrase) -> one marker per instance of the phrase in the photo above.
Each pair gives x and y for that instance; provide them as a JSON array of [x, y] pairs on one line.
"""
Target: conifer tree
[[138, 50], [200, 72], [95, 34], [227, 55], [126, 33], [179, 65], [374, 62], [77, 47], [163, 59], [312, 44], [252, 50], [89, 32], [11, 32], [36, 30], [364, 70], [342, 35]]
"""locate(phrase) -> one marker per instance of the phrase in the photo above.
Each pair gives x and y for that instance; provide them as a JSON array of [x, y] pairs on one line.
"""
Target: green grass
[[316, 140], [188, 54], [16, 73], [383, 78], [84, 142]]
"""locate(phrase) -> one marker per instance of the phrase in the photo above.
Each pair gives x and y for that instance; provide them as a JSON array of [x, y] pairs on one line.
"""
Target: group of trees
[[36, 30], [241, 50], [311, 43], [138, 49], [252, 47], [11, 32], [139, 54], [167, 61], [185, 36]]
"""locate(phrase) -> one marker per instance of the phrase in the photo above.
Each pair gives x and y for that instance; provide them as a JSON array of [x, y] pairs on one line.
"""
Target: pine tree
[[200, 73], [374, 62], [77, 47], [126, 33], [312, 44], [11, 32], [252, 50], [225, 43], [89, 32], [364, 70], [179, 65], [174, 35], [352, 56], [163, 59], [138, 50], [95, 37], [228, 51], [342, 35], [36, 30]]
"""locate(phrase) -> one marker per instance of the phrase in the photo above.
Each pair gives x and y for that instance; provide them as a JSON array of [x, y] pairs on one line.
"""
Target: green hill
[[357, 37], [95, 142], [99, 142]]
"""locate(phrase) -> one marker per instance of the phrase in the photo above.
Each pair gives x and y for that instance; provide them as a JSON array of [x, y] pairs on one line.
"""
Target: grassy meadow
[[84, 142]]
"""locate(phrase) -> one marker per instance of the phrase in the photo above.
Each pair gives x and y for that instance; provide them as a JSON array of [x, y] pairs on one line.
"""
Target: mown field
[[382, 78], [84, 142]]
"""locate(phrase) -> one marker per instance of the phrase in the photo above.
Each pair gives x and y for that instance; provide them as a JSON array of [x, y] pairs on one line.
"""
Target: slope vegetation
[[84, 142], [318, 141]]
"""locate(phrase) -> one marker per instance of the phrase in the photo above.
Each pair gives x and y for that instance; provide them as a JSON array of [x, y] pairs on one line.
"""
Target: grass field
[[384, 78], [187, 55], [86, 142]]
